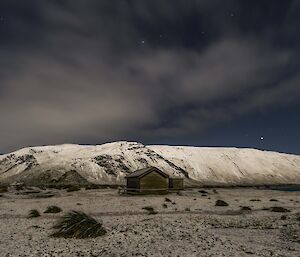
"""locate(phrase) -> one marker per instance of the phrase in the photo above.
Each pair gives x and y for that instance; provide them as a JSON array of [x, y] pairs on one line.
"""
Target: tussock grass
[[167, 200], [221, 203], [246, 208], [283, 217], [34, 213], [78, 225], [53, 209], [203, 192], [279, 209], [150, 209]]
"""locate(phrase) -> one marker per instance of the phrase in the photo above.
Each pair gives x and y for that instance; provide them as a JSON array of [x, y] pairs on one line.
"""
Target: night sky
[[185, 72]]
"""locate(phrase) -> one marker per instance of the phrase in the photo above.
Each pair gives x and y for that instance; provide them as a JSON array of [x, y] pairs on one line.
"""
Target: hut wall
[[154, 180], [133, 183], [176, 183]]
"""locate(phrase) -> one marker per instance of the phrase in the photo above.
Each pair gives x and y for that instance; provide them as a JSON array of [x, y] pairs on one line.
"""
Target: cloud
[[83, 76]]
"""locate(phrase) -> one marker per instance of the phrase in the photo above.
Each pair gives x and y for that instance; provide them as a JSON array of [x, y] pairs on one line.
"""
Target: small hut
[[152, 180], [175, 183]]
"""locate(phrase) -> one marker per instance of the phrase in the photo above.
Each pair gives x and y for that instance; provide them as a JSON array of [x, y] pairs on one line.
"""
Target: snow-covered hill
[[109, 163]]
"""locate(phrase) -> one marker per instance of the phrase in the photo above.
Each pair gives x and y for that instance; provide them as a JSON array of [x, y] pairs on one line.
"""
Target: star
[[262, 138], [143, 41]]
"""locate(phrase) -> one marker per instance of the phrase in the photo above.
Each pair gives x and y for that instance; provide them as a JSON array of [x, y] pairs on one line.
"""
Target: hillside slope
[[109, 163]]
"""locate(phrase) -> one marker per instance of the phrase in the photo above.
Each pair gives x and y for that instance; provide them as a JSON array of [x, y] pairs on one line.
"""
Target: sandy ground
[[202, 230]]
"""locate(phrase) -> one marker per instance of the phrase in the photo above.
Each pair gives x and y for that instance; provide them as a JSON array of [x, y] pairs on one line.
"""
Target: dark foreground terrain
[[185, 224]]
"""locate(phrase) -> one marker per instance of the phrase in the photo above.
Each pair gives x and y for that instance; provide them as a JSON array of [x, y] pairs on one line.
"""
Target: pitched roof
[[175, 177], [145, 171]]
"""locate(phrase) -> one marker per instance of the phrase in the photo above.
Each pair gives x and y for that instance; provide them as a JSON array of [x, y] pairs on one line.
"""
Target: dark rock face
[[185, 173], [153, 156], [11, 161], [111, 165]]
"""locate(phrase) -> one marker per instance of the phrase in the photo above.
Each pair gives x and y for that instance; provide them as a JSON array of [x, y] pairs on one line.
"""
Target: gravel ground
[[189, 225]]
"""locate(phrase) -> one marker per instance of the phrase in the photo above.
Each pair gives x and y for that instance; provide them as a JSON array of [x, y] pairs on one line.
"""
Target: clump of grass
[[203, 192], [150, 209], [283, 217], [78, 225], [53, 209], [167, 200], [187, 209], [153, 212], [255, 200], [279, 209], [215, 191], [273, 200], [246, 208], [221, 203], [34, 213], [164, 205]]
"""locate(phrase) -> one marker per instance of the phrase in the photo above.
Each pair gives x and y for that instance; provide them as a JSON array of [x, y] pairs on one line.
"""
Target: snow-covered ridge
[[109, 163]]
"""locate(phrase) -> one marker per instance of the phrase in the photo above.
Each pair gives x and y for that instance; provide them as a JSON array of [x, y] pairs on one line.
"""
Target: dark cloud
[[94, 71]]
